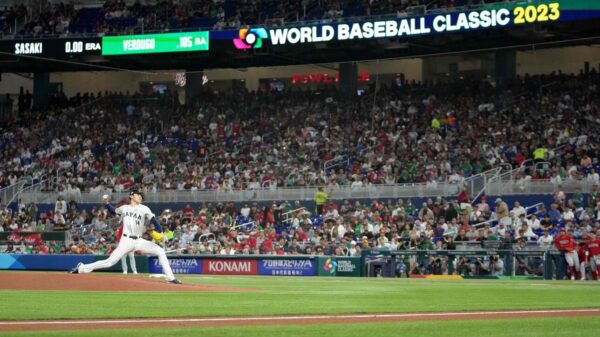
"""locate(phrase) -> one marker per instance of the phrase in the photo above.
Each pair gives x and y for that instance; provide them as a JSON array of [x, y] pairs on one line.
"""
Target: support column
[[506, 67], [41, 89], [193, 85], [348, 78]]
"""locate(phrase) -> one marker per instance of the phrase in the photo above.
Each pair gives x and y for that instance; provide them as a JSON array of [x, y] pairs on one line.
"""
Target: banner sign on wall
[[287, 267], [179, 265], [230, 266], [348, 266]]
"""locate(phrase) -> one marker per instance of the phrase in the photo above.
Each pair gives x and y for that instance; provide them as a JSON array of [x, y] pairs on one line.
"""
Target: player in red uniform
[[582, 254], [564, 243], [593, 248]]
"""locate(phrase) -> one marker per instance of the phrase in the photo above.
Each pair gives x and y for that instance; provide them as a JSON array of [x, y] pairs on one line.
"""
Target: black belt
[[131, 236]]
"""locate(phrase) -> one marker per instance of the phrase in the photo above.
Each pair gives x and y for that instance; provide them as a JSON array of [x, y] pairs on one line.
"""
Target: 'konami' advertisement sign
[[229, 267]]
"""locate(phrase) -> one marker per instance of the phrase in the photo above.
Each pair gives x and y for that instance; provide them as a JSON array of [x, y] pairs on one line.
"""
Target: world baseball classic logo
[[250, 38], [330, 266]]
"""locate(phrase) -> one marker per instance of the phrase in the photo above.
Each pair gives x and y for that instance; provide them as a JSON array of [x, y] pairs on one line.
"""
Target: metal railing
[[476, 184], [288, 213], [536, 206], [244, 225], [496, 187], [337, 161], [8, 193]]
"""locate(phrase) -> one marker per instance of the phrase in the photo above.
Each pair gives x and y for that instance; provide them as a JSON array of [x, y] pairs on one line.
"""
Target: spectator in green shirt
[[539, 154], [577, 198], [409, 208]]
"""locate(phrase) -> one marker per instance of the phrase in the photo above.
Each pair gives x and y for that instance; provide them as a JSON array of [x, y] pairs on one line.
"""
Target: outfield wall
[[370, 264], [205, 264]]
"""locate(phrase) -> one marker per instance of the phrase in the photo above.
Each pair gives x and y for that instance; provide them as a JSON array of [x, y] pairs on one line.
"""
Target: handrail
[[522, 167], [502, 166], [268, 181], [484, 222], [336, 161], [13, 190], [394, 191], [207, 235], [543, 164], [243, 225], [537, 206], [287, 218], [526, 215], [50, 177], [495, 172]]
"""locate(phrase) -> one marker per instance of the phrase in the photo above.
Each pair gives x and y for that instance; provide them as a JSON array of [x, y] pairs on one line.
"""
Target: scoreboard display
[[155, 43], [53, 48], [500, 15]]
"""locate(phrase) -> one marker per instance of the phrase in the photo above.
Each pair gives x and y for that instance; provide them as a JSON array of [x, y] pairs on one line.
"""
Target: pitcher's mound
[[36, 280]]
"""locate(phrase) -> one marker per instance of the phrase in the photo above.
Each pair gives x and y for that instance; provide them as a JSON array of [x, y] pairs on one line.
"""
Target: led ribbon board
[[52, 48], [155, 43], [499, 15]]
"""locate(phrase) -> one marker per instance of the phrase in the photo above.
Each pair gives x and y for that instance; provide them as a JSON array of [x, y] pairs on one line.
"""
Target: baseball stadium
[[299, 168]]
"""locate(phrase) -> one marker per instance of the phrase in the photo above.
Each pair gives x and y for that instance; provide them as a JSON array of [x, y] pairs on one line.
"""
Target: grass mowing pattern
[[302, 295], [538, 327]]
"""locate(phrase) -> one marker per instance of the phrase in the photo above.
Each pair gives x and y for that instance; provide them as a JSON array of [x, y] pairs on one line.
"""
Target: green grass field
[[270, 296]]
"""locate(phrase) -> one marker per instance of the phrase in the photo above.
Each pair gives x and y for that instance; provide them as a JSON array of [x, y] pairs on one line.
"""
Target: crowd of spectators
[[410, 132], [11, 17], [413, 133], [345, 228], [120, 16], [50, 18]]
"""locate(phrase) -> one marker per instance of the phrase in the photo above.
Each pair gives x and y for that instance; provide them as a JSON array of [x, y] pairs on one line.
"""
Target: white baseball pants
[[572, 259], [127, 245], [131, 263]]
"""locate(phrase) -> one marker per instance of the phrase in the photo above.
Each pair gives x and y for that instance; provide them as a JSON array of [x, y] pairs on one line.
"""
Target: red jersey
[[119, 233], [581, 253], [564, 243], [593, 246]]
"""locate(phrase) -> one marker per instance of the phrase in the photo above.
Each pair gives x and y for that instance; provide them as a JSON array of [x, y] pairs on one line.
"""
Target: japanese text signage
[[178, 265], [287, 267]]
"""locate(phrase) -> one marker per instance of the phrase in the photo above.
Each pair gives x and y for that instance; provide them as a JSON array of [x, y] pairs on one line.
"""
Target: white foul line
[[288, 318]]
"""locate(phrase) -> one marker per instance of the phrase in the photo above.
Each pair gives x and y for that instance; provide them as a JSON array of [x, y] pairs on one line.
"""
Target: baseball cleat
[[174, 281], [76, 269]]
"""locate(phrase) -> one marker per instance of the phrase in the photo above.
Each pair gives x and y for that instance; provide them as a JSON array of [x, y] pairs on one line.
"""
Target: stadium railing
[[467, 262], [307, 193]]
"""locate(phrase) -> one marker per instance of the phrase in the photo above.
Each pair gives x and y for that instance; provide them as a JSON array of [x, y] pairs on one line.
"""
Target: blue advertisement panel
[[43, 262], [179, 265], [288, 267]]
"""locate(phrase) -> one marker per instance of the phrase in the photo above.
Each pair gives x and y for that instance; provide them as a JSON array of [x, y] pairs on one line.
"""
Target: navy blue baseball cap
[[135, 191]]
